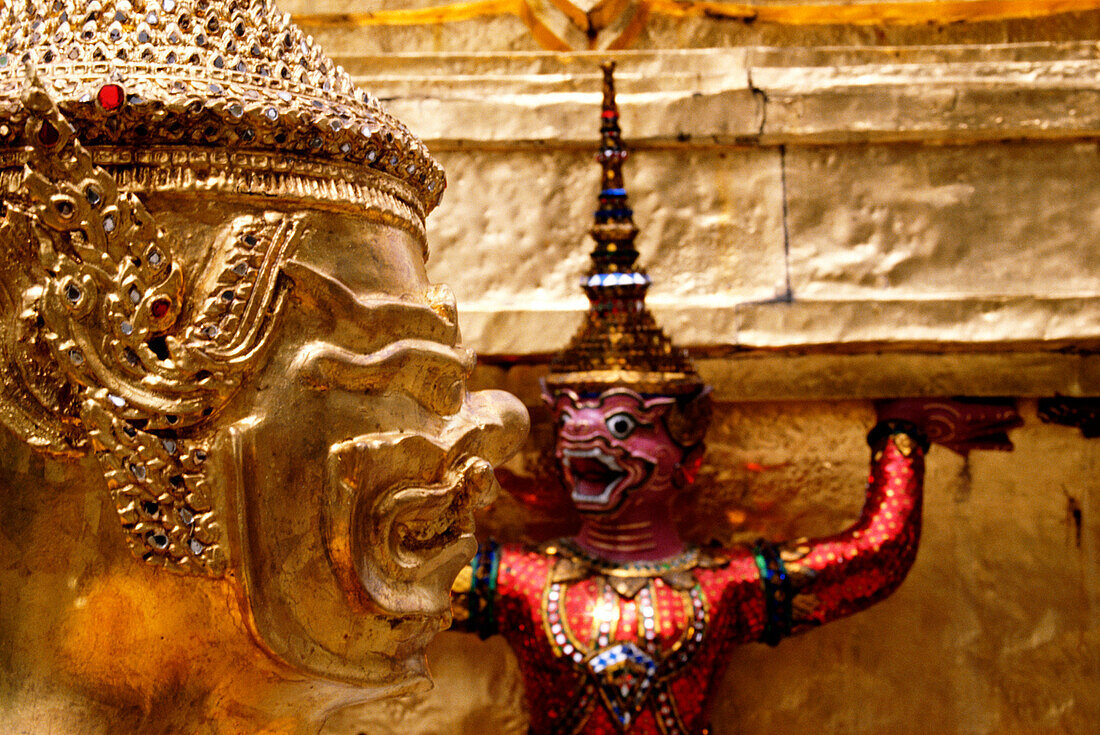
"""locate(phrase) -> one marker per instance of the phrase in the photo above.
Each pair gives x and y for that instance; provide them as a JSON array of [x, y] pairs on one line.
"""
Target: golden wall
[[838, 202]]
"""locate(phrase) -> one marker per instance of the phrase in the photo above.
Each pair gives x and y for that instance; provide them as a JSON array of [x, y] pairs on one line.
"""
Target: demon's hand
[[960, 424]]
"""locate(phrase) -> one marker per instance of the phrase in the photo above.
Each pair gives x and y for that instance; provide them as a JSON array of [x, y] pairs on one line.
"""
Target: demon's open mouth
[[595, 474]]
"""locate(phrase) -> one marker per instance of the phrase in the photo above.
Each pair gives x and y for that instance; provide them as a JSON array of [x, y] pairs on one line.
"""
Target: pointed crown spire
[[619, 343]]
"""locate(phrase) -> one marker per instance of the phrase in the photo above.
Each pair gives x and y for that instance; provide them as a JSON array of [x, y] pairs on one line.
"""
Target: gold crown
[[619, 343], [149, 77]]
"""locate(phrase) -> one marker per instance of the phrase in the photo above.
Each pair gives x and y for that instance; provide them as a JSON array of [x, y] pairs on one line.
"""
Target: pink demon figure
[[624, 628]]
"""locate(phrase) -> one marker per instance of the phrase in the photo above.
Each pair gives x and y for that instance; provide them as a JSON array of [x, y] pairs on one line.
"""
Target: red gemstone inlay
[[160, 307], [110, 97], [47, 134]]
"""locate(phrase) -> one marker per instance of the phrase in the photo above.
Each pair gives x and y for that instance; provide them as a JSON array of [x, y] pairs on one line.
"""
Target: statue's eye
[[621, 425]]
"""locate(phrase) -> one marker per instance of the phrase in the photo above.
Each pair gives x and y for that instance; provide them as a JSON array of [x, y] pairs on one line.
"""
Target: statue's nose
[[503, 424], [578, 427]]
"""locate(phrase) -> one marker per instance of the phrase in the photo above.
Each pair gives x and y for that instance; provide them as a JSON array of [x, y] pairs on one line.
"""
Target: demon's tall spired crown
[[619, 342], [239, 459], [625, 627]]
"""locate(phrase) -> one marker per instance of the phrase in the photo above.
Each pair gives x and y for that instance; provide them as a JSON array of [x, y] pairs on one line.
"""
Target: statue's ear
[[687, 421], [690, 464], [555, 398], [36, 402], [546, 394]]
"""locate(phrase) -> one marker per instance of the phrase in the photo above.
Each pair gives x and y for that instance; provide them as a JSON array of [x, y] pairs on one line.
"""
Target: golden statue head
[[213, 303]]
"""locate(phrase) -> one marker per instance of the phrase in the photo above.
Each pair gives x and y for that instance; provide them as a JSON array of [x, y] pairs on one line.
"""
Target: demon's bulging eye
[[621, 425]]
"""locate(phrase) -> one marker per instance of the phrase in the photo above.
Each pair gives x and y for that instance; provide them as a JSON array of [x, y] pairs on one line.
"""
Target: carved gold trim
[[914, 12], [252, 173], [644, 382]]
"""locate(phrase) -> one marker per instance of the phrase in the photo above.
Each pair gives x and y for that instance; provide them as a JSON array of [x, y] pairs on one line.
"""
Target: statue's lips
[[437, 523], [427, 535], [595, 474], [437, 517]]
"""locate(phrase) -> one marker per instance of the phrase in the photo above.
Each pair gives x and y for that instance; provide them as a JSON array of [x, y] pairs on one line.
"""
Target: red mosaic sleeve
[[838, 575]]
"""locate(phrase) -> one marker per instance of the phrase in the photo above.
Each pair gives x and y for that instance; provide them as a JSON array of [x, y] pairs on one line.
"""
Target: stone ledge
[[504, 330], [1012, 92], [458, 99], [784, 376], [738, 95], [794, 376]]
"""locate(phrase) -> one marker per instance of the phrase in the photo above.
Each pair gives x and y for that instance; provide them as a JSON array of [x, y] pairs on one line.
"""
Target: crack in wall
[[761, 96], [785, 296], [788, 294]]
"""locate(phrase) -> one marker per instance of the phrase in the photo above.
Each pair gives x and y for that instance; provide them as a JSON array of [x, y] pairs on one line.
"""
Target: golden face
[[272, 387], [356, 457]]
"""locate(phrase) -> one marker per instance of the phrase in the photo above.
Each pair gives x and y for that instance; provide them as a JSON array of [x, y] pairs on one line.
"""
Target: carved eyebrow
[[373, 318], [432, 374], [391, 344]]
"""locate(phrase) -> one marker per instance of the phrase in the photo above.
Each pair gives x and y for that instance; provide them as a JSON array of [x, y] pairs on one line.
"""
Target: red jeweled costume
[[639, 648], [635, 638]]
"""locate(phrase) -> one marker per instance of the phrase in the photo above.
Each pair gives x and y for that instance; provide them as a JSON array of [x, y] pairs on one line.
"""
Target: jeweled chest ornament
[[626, 674]]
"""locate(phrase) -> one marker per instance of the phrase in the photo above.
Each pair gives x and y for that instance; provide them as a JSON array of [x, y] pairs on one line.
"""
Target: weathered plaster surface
[[788, 199]]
